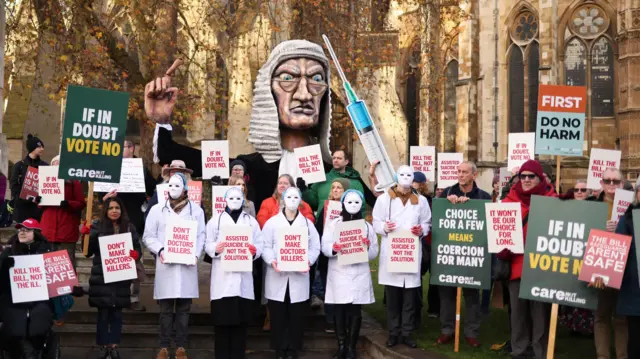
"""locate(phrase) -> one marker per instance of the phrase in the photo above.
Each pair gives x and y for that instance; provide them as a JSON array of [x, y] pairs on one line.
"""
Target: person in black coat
[[24, 325], [110, 298], [26, 208]]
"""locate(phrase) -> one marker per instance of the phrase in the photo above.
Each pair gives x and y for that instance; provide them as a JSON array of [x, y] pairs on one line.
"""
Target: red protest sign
[[61, 277], [195, 192], [605, 257], [30, 184]]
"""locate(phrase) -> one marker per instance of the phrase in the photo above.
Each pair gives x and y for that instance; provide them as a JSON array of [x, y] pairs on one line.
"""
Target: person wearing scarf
[[529, 319], [175, 284], [349, 286], [232, 293]]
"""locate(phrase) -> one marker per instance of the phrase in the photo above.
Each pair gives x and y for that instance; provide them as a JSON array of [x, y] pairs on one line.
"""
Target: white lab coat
[[405, 217], [350, 283], [230, 284], [276, 283], [173, 280]]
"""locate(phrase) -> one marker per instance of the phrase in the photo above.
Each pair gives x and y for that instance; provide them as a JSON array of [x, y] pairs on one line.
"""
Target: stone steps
[[150, 353]]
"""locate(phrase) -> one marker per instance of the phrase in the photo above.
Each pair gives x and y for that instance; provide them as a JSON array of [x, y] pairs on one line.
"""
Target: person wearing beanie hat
[[529, 319], [23, 208], [464, 190]]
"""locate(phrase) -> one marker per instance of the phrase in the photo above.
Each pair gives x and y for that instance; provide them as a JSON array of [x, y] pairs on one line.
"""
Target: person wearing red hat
[[529, 319]]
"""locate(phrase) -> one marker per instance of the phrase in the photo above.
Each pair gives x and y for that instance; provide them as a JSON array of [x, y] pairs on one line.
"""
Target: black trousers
[[230, 341], [401, 309], [20, 348], [633, 324], [287, 323]]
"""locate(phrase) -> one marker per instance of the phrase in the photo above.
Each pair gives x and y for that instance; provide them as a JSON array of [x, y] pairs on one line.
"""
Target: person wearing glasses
[[580, 190], [529, 319], [608, 297]]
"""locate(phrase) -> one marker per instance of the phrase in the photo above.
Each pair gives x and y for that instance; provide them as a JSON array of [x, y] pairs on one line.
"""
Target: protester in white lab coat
[[231, 292], [400, 208], [349, 286], [175, 284], [287, 292]]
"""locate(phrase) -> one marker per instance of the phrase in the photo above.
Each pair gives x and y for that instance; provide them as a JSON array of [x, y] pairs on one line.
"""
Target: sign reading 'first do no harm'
[[95, 123]]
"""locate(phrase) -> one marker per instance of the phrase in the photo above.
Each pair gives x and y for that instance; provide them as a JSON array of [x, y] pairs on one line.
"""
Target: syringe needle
[[335, 58]]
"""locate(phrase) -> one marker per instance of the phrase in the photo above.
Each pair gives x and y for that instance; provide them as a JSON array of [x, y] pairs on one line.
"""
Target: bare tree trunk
[[430, 66]]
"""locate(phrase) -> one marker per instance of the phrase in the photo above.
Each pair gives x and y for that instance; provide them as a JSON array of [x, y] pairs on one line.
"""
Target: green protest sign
[[556, 241], [459, 256], [95, 124]]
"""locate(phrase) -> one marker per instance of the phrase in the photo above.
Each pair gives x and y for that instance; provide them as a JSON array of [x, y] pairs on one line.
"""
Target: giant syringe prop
[[367, 132]]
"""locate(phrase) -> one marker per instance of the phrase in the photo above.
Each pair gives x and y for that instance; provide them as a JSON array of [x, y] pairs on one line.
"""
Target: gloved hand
[[505, 255], [301, 184], [64, 204], [416, 230], [216, 181], [336, 247], [85, 229], [220, 247], [10, 262], [366, 241], [77, 291], [10, 207], [38, 199], [134, 254], [252, 249]]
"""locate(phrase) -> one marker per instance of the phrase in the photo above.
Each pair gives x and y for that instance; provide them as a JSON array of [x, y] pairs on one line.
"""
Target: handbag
[[61, 305], [502, 268]]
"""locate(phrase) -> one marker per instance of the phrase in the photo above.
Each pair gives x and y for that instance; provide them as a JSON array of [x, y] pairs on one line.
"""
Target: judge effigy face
[[298, 86]]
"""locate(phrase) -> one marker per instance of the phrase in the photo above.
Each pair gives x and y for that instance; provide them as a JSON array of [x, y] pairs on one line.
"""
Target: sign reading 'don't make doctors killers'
[[561, 118], [555, 245], [95, 123]]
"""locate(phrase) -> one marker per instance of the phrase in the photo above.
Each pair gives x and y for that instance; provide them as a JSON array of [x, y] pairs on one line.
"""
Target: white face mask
[[176, 187], [352, 203], [405, 176], [234, 199], [292, 198]]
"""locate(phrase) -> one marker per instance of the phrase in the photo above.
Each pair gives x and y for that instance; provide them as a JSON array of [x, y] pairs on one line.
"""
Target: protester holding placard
[[232, 293], [25, 325], [248, 206], [349, 286], [399, 208], [529, 319], [175, 284], [177, 166], [239, 169], [629, 293], [580, 190], [274, 204], [110, 298], [22, 208], [288, 292]]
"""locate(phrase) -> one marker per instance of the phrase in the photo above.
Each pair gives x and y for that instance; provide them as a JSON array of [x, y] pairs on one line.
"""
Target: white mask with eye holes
[[291, 198], [234, 198], [176, 187], [352, 203], [405, 176]]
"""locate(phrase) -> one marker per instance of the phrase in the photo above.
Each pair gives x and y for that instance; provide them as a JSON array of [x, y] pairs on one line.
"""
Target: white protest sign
[[28, 279], [333, 209], [180, 241], [404, 251], [422, 159], [218, 203], [504, 177], [131, 178], [50, 188], [621, 201], [293, 245], [163, 191], [504, 227], [117, 264], [448, 168], [349, 235], [215, 159], [521, 148], [599, 161], [236, 256], [310, 167]]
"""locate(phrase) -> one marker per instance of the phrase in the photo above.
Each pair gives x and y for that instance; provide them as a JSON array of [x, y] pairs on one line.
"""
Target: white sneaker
[[316, 302]]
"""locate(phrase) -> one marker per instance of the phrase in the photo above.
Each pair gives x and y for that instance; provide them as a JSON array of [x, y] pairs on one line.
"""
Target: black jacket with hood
[[24, 209]]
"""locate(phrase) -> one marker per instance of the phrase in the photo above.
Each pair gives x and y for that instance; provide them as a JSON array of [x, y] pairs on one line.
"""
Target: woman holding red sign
[[348, 286], [110, 298]]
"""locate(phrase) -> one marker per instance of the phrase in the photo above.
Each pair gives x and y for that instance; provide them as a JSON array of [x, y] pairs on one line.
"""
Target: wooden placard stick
[[88, 218], [552, 331], [456, 345]]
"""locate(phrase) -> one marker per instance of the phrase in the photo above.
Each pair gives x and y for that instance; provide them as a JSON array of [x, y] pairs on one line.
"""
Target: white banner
[[293, 249], [404, 251], [310, 167], [180, 241], [131, 178], [504, 227], [117, 264], [521, 149], [423, 159], [349, 236], [215, 159], [236, 256], [621, 201], [599, 161], [28, 279], [50, 188], [448, 168]]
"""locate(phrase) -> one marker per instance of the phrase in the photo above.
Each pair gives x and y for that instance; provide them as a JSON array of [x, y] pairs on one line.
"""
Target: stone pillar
[[4, 148]]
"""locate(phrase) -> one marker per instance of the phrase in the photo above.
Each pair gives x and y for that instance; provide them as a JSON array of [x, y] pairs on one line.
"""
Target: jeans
[[182, 308], [108, 326]]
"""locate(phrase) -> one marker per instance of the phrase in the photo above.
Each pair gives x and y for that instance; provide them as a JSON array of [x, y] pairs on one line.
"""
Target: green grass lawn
[[495, 329]]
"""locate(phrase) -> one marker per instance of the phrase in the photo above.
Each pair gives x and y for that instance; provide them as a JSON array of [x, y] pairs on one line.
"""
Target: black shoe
[[292, 354], [392, 341], [354, 335], [113, 353], [409, 342], [104, 353]]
